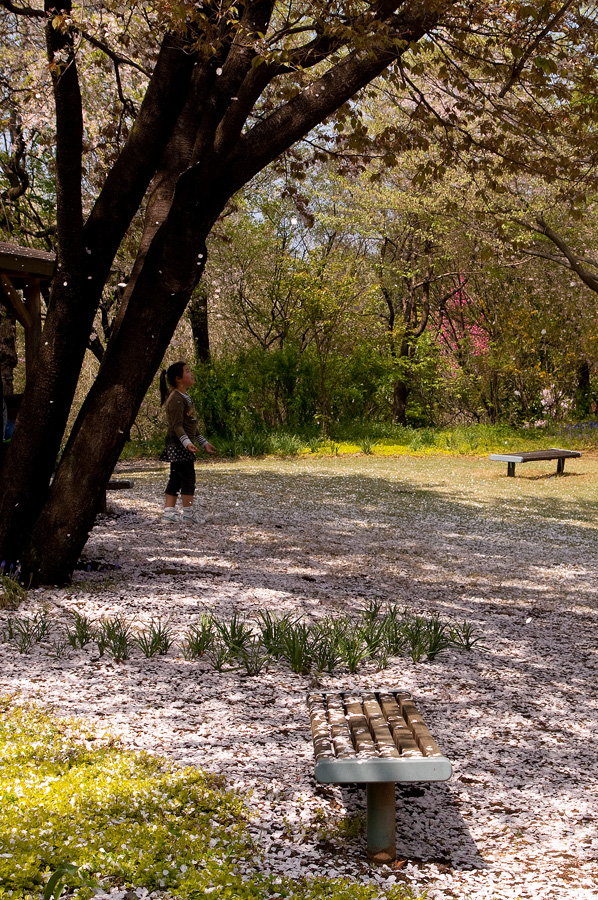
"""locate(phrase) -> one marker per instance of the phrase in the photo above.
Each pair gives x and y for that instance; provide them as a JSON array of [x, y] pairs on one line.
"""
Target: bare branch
[[23, 10], [574, 261], [116, 58]]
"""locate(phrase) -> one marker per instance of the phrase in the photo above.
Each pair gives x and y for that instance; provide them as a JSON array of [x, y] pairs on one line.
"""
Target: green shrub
[[12, 592]]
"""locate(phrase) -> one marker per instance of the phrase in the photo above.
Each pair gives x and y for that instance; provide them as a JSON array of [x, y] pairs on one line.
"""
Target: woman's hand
[[209, 448]]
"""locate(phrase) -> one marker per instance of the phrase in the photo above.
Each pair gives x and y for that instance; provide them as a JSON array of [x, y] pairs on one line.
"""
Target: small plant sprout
[[157, 639], [235, 634], [354, 649], [415, 636], [326, 649], [254, 657], [200, 638], [219, 655], [81, 633], [297, 647], [60, 649], [366, 445], [114, 635], [26, 632], [272, 630], [438, 637], [462, 636]]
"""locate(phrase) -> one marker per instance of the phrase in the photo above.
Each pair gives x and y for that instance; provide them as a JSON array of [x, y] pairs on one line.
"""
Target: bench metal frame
[[385, 744]]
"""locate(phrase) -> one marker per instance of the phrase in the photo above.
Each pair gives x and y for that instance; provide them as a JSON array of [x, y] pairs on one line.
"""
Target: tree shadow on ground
[[523, 569]]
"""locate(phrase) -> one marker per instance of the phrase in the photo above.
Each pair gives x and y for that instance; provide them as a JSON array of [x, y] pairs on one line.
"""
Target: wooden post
[[560, 466], [511, 469], [33, 332]]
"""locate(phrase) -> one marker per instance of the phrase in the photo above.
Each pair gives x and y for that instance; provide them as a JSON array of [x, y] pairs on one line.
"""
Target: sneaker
[[190, 518], [169, 515]]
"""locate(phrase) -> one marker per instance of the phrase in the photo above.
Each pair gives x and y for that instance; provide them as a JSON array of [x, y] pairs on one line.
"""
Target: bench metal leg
[[381, 821], [511, 469], [560, 466]]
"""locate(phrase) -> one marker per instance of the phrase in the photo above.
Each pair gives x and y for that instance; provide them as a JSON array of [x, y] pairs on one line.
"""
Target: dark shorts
[[182, 478]]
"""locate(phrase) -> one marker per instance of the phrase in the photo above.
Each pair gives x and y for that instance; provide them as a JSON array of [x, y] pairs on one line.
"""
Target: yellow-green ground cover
[[125, 819]]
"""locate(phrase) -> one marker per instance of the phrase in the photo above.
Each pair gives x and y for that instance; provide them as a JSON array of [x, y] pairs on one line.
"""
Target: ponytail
[[164, 389], [168, 379]]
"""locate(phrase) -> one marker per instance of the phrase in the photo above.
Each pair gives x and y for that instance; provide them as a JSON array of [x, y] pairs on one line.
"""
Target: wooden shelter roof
[[19, 262]]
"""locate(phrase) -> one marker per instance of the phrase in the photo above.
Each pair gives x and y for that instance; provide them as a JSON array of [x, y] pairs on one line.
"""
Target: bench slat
[[401, 733], [320, 730], [360, 730], [339, 728], [379, 727]]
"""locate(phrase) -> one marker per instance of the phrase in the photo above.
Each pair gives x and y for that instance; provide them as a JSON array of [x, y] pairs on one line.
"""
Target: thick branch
[[574, 261], [69, 136], [130, 176], [22, 10], [292, 121]]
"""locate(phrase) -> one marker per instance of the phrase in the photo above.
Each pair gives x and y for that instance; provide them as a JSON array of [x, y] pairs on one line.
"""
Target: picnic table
[[533, 456], [376, 738]]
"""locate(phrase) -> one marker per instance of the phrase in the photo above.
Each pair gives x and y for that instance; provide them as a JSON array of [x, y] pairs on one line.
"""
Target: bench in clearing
[[376, 738], [532, 455]]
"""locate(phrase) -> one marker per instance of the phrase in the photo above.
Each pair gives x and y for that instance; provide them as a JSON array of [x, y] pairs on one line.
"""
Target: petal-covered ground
[[517, 716]]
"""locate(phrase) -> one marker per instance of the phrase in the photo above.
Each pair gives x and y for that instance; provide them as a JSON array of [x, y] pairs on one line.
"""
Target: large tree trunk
[[172, 268], [47, 531], [84, 259], [99, 434]]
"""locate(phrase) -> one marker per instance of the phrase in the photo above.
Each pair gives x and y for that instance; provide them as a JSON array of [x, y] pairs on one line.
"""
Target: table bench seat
[[376, 738], [534, 456]]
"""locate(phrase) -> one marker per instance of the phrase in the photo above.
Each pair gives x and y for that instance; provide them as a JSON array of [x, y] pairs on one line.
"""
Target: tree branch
[[131, 174], [23, 10], [60, 34], [574, 261], [519, 66], [116, 58], [292, 121]]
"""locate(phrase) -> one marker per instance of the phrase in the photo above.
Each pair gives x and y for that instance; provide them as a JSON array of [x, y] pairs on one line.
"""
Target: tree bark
[[198, 317], [84, 259], [399, 403], [8, 351], [583, 394]]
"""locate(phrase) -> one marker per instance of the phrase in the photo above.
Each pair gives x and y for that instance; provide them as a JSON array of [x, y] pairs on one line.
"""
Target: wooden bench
[[533, 455], [115, 484], [376, 738]]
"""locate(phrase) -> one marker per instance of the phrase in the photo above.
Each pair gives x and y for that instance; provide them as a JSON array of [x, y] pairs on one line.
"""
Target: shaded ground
[[517, 557]]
